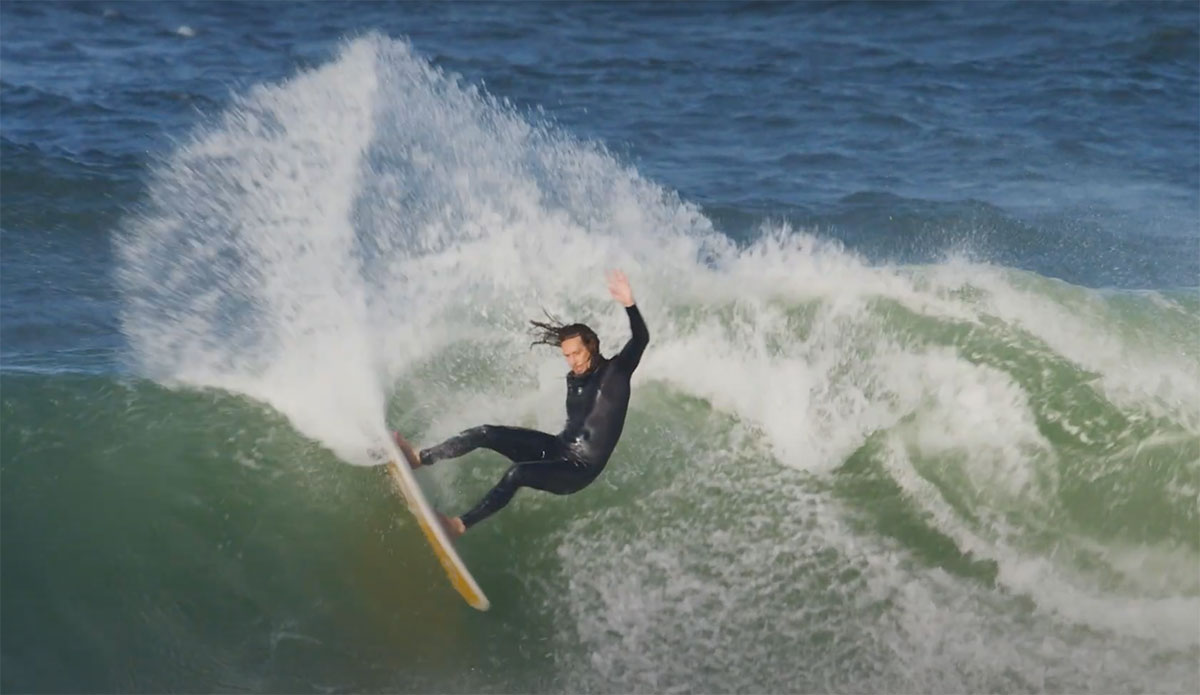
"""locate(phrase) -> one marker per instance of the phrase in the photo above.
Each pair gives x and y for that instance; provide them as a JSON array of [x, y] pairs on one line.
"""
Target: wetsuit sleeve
[[631, 354]]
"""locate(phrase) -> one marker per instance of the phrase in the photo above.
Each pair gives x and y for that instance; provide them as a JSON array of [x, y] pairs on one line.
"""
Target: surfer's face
[[578, 357]]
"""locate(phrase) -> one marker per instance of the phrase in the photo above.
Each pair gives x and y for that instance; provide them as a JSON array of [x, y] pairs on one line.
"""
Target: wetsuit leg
[[559, 476], [514, 443]]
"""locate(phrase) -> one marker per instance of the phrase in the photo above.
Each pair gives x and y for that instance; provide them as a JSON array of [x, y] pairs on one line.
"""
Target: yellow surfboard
[[400, 470]]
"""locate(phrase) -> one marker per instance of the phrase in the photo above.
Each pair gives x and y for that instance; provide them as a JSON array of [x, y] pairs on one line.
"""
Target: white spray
[[334, 235]]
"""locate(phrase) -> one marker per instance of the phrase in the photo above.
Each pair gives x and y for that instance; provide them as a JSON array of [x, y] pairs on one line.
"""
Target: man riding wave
[[597, 400]]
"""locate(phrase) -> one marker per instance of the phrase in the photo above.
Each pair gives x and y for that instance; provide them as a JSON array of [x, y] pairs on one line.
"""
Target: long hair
[[553, 332]]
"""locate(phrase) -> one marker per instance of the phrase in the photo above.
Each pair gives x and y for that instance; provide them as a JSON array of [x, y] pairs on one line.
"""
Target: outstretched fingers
[[618, 287]]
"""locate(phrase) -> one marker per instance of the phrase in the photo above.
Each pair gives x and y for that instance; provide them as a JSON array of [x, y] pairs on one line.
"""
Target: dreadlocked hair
[[553, 332]]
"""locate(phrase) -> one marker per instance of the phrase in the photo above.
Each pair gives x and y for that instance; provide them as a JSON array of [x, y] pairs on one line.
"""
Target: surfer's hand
[[618, 287]]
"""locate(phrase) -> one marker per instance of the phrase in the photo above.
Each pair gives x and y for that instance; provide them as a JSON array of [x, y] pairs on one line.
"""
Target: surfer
[[597, 398]]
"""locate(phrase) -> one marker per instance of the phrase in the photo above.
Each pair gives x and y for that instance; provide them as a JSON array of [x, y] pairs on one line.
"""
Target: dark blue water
[[957, 315], [1058, 138]]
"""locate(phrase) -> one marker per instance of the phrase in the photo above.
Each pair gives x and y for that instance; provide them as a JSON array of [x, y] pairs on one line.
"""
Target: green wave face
[[881, 494], [835, 476]]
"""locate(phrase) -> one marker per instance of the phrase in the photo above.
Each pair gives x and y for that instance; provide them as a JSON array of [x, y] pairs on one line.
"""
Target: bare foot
[[410, 454], [453, 525]]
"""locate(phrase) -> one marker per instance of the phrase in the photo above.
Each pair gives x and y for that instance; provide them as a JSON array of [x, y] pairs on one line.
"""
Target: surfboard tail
[[435, 535]]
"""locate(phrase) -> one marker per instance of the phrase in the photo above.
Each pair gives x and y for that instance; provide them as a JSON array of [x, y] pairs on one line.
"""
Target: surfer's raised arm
[[631, 354]]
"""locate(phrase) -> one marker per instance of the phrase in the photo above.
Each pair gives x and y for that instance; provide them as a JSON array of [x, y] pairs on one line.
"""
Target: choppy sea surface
[[920, 413]]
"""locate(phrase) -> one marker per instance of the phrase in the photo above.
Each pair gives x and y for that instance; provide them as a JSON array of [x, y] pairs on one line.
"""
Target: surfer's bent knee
[[511, 477]]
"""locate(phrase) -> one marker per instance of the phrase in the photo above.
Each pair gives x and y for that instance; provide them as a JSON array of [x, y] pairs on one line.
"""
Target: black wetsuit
[[569, 461]]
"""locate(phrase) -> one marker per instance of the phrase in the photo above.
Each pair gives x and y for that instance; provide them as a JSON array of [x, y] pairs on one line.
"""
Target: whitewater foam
[[376, 232]]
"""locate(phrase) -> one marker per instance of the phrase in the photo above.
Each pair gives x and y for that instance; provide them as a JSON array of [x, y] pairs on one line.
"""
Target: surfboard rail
[[400, 470]]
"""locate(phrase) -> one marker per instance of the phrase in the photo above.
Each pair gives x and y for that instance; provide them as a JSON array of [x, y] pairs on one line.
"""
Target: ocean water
[[920, 412]]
